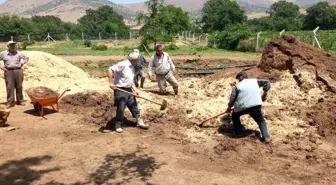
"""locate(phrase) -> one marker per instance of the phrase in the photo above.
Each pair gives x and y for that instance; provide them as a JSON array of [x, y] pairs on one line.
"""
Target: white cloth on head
[[136, 51], [123, 74], [133, 56]]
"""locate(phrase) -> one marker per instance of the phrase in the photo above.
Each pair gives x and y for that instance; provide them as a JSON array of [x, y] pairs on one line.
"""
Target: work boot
[[142, 82], [118, 127], [176, 90], [267, 140], [142, 124]]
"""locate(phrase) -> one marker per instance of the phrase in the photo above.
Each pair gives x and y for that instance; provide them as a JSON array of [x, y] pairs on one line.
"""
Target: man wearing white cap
[[121, 75], [139, 71], [13, 69]]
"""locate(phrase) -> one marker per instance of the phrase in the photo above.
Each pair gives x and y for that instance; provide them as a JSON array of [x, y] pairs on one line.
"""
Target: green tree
[[172, 19], [322, 15], [104, 20], [219, 14], [285, 15]]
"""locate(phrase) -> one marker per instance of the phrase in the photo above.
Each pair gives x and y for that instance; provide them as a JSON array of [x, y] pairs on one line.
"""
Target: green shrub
[[171, 46], [25, 44], [87, 43], [99, 47]]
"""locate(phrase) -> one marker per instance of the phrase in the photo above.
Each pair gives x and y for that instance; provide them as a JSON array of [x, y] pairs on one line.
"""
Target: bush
[[231, 37], [99, 47], [25, 44], [87, 43], [171, 46]]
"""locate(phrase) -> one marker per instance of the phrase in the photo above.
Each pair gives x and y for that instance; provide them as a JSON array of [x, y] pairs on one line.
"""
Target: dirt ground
[[78, 145]]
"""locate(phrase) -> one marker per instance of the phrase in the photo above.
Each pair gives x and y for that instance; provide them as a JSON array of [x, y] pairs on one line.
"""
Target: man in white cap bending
[[121, 75], [139, 71], [13, 69]]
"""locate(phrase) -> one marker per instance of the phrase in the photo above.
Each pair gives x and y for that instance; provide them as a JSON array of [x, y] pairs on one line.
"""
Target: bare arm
[[3, 67], [150, 67], [266, 85], [110, 75]]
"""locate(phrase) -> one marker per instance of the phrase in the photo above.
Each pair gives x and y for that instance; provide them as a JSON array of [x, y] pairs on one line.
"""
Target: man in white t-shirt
[[121, 75]]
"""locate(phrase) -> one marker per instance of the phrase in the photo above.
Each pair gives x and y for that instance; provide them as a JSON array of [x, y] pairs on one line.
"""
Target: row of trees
[[104, 20]]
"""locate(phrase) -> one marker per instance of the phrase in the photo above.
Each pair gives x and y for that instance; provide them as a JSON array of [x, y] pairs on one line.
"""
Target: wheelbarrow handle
[[59, 97]]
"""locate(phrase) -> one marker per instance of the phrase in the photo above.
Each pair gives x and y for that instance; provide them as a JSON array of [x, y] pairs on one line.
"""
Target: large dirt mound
[[311, 66], [50, 71]]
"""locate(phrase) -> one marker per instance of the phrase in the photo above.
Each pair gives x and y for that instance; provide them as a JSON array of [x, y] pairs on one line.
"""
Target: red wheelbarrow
[[48, 100]]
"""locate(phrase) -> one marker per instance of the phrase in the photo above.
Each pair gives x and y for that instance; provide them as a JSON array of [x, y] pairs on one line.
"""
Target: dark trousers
[[257, 114], [14, 79], [122, 100], [140, 75]]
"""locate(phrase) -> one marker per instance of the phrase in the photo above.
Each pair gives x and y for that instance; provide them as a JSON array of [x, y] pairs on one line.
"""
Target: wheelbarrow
[[41, 103]]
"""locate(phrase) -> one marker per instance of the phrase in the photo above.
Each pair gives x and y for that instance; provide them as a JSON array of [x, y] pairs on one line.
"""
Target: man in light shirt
[[164, 68], [245, 99], [121, 75], [13, 69]]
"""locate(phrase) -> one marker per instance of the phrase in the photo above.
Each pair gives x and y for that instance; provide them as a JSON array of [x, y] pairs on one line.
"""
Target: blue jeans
[[257, 114], [123, 100]]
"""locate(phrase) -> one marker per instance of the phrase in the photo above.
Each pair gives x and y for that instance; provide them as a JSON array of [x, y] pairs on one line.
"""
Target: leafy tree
[[219, 14], [172, 19], [104, 20], [322, 15], [285, 15]]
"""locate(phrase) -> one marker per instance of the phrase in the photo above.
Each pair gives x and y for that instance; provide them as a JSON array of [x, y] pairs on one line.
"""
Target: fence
[[66, 36]]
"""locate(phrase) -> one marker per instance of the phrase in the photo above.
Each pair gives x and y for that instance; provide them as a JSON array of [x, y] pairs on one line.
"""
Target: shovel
[[201, 125], [163, 105]]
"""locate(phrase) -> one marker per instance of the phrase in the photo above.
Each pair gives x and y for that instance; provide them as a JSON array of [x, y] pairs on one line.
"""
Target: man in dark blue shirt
[[139, 70]]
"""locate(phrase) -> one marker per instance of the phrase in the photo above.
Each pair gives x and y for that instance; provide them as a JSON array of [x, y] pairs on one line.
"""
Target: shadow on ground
[[20, 172], [120, 169]]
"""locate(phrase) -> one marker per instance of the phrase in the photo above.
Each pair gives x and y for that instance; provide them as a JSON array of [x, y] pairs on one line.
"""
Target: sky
[[116, 1]]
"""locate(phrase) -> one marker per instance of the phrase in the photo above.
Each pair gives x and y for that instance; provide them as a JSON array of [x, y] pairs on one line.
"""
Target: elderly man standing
[[139, 70], [121, 75], [246, 99], [13, 68], [164, 67]]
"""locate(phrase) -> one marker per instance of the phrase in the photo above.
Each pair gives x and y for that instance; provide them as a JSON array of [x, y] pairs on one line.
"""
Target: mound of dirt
[[53, 72], [42, 92], [323, 116], [312, 67], [97, 108]]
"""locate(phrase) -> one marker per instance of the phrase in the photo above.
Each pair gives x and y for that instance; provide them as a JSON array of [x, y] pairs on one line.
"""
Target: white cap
[[136, 51], [133, 56], [10, 42]]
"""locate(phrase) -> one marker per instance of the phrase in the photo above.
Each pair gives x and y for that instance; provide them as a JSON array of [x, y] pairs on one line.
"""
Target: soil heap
[[4, 114], [42, 92], [53, 72]]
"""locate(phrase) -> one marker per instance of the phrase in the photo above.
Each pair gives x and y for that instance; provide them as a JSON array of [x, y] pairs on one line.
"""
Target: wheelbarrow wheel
[[37, 107]]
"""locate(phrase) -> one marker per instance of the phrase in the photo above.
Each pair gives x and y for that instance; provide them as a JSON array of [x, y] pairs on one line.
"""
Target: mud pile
[[42, 92], [96, 108], [4, 114], [312, 67]]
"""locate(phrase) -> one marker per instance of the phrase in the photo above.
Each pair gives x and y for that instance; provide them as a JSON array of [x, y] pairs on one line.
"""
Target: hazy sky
[[116, 1]]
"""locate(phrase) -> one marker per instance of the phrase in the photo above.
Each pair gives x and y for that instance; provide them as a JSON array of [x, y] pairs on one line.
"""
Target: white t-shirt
[[123, 74]]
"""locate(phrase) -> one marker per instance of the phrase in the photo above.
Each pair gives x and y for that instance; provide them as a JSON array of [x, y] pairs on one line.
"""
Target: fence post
[[199, 39], [99, 36], [115, 36], [11, 38], [315, 38], [28, 37], [82, 36], [206, 40], [66, 36], [193, 37], [258, 37], [283, 31], [130, 35]]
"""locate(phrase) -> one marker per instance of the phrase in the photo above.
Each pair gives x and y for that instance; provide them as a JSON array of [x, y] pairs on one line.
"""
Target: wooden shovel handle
[[214, 117], [116, 88]]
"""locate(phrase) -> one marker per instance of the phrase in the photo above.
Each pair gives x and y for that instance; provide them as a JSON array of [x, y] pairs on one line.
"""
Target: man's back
[[248, 95]]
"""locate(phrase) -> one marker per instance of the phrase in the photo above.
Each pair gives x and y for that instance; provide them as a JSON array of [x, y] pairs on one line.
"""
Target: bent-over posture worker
[[139, 73], [13, 69], [121, 75], [164, 67], [246, 99]]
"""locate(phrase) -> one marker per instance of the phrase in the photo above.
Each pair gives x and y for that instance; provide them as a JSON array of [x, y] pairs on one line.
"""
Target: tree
[[219, 14], [172, 19], [322, 15], [285, 15], [104, 20]]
